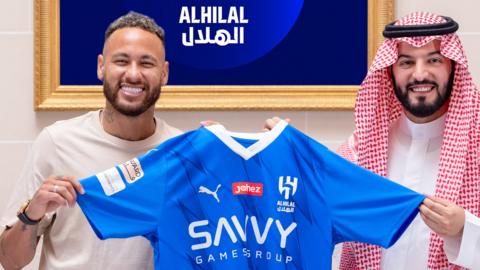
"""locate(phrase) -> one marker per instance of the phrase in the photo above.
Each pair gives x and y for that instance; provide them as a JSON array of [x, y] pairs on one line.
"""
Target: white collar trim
[[264, 139], [426, 131]]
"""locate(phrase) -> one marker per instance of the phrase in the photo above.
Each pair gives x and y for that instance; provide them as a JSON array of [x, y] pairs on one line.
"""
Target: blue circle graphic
[[216, 34]]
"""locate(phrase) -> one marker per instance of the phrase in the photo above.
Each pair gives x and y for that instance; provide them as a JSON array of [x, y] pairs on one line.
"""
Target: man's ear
[[100, 67], [165, 73]]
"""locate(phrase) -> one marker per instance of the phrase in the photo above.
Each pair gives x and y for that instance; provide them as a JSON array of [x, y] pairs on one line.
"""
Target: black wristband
[[22, 216]]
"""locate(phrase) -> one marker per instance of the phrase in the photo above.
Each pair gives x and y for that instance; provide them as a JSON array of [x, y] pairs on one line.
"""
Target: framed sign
[[223, 55]]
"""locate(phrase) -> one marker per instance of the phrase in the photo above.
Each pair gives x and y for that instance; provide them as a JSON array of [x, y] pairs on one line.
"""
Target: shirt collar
[[428, 130]]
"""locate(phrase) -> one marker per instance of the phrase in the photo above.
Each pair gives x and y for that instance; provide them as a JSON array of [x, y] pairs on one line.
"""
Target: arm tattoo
[[33, 235], [2, 248], [34, 239], [6, 259]]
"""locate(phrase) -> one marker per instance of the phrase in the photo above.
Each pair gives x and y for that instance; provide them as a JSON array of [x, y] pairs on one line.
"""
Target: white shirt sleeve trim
[[463, 251]]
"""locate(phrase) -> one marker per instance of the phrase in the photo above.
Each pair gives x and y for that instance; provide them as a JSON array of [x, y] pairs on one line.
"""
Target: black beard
[[422, 109], [111, 95]]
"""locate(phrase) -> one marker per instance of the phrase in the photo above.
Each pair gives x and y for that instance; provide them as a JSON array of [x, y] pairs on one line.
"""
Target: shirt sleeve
[[40, 163], [463, 251], [364, 206], [125, 200]]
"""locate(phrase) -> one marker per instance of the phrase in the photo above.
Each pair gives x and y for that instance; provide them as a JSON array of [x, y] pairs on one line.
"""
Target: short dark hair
[[135, 19]]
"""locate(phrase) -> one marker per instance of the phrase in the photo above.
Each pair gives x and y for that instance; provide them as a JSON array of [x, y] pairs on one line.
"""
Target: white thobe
[[413, 160]]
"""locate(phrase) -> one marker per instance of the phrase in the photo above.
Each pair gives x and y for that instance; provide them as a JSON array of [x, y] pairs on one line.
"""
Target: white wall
[[20, 124]]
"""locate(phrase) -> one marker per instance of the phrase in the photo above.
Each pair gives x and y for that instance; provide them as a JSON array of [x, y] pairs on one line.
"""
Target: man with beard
[[133, 70], [417, 122]]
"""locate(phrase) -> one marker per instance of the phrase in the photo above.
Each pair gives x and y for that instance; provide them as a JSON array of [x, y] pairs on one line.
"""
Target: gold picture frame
[[50, 95]]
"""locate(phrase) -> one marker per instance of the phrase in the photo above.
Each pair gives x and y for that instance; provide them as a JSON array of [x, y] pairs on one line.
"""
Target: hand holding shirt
[[218, 200]]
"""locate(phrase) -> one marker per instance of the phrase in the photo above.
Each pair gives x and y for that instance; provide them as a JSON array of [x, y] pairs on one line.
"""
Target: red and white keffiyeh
[[377, 107]]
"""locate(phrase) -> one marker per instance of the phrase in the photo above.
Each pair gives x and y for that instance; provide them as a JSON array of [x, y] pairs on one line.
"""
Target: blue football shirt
[[212, 199]]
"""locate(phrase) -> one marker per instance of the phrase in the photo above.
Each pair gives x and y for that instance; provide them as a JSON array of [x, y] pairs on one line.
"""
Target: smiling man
[[422, 79], [417, 122], [133, 70]]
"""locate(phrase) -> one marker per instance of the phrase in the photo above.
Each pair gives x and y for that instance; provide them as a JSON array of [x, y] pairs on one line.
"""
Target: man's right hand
[[18, 243], [56, 191], [270, 123]]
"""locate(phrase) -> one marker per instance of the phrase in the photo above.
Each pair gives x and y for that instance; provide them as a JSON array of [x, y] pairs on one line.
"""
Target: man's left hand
[[442, 216]]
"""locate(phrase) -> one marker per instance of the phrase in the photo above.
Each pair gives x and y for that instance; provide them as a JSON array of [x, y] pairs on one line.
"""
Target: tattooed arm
[[18, 245]]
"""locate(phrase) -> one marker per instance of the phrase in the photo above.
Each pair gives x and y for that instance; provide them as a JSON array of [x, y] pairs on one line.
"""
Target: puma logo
[[214, 194]]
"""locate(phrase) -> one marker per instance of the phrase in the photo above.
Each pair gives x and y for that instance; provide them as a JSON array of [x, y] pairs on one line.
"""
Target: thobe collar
[[424, 131]]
